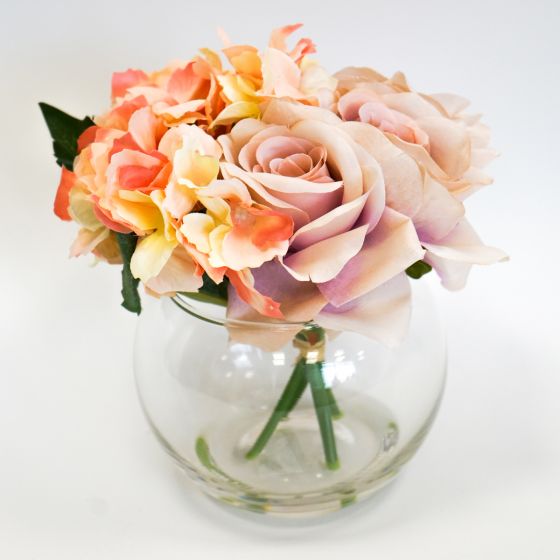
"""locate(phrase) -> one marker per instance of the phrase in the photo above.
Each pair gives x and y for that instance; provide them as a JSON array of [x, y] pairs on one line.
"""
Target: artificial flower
[[311, 195]]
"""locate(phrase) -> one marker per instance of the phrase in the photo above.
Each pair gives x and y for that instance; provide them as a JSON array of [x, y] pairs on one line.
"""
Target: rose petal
[[350, 103], [388, 250], [449, 144], [453, 274], [299, 301], [453, 255], [411, 104], [351, 76], [402, 176], [382, 314], [288, 113], [280, 147], [449, 102], [313, 199], [421, 155], [462, 244], [341, 156], [230, 171], [238, 137], [439, 214], [311, 264], [335, 222]]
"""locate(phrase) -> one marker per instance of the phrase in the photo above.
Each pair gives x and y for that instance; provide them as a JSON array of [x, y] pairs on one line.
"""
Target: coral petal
[[122, 81], [244, 285], [62, 199]]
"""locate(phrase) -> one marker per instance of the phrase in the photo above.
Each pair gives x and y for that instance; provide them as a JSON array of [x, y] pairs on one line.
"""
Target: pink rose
[[305, 162], [432, 154]]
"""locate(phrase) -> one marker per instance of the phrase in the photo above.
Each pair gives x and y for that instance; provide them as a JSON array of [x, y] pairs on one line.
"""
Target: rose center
[[290, 156]]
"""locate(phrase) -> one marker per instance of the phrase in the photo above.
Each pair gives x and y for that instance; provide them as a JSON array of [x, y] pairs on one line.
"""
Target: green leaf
[[65, 131], [131, 298], [210, 292], [418, 269]]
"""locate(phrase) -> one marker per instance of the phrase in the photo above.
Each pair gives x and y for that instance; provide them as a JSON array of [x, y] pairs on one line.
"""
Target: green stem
[[290, 396], [336, 413], [308, 370], [323, 402]]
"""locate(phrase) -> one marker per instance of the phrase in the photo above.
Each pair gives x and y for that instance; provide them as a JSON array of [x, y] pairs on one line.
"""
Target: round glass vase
[[286, 419]]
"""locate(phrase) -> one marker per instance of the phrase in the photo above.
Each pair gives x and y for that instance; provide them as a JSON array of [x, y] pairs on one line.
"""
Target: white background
[[81, 476]]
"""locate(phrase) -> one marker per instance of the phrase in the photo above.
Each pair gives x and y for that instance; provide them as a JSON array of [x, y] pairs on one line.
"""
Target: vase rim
[[215, 313]]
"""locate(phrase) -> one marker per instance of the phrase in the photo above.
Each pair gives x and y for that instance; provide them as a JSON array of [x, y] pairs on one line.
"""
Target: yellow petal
[[197, 228], [193, 168], [218, 209], [212, 57], [151, 255], [81, 210], [138, 209], [245, 60], [135, 196], [216, 241], [237, 111], [158, 198], [238, 88]]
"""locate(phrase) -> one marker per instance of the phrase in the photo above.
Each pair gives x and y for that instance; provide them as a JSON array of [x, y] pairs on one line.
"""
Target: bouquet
[[257, 180]]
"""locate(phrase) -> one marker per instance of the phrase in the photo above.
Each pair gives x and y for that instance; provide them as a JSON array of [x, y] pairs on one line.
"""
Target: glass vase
[[285, 418]]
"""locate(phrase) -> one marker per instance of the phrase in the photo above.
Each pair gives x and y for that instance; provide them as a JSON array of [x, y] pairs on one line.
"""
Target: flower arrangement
[[275, 188]]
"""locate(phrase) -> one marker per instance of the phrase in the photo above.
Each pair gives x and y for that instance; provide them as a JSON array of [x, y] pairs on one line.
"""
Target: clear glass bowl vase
[[286, 419]]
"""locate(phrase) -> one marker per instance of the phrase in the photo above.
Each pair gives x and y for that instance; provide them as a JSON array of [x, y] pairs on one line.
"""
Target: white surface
[[81, 476]]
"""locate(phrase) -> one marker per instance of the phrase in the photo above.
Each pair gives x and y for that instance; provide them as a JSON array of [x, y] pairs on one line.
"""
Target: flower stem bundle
[[308, 371]]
